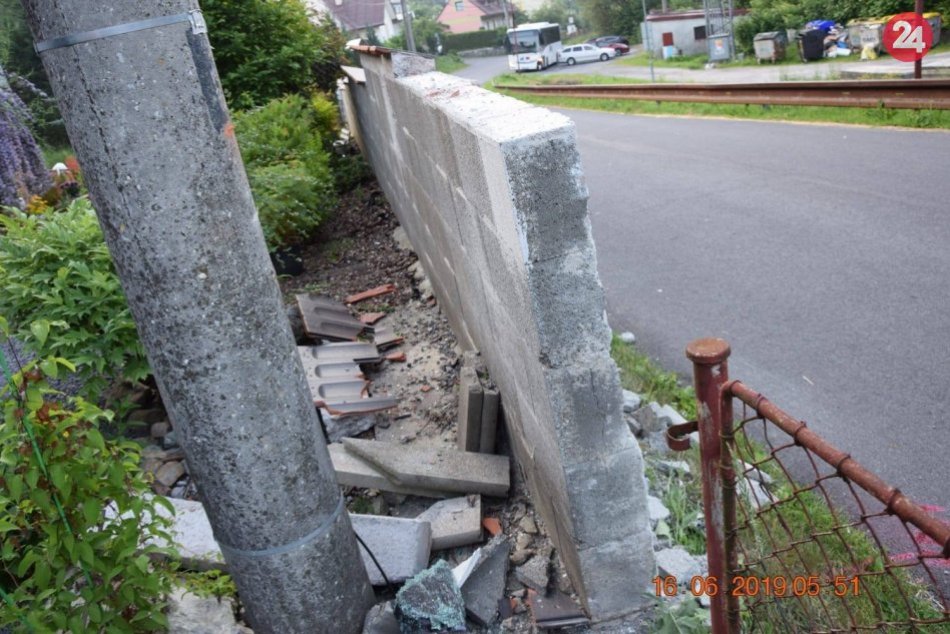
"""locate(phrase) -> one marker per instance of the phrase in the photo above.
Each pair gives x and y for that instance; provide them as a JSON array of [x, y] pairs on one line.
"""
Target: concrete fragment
[[535, 573], [401, 239], [528, 525], [191, 535], [353, 471], [491, 402], [673, 467], [381, 619], [631, 401], [654, 417], [455, 522], [757, 474], [628, 337], [169, 473], [676, 562], [633, 424], [159, 430], [431, 601], [340, 427], [486, 585], [401, 546], [658, 511], [435, 467], [470, 410], [191, 614]]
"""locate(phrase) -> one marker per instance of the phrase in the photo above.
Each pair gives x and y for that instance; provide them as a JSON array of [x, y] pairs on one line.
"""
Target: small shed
[[683, 30]]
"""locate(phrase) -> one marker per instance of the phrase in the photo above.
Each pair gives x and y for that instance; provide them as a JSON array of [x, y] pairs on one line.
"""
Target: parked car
[[620, 47], [604, 40], [570, 55]]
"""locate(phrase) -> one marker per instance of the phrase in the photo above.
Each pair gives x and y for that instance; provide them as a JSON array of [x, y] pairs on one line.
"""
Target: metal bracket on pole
[[194, 17]]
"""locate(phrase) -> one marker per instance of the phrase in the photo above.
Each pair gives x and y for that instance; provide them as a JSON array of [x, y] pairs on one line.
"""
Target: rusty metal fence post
[[710, 373]]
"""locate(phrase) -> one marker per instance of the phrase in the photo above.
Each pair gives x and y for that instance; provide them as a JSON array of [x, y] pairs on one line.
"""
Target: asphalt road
[[820, 252]]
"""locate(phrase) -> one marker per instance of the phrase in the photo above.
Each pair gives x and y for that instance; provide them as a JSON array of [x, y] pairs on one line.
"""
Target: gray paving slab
[[470, 410], [437, 468], [401, 546], [455, 522], [353, 471]]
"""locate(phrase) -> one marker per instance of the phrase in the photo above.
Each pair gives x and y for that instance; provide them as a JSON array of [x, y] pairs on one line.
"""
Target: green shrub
[[288, 166], [60, 294], [472, 40], [63, 565], [267, 49]]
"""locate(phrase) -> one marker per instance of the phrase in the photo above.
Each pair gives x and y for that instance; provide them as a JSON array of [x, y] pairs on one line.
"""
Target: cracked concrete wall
[[491, 193]]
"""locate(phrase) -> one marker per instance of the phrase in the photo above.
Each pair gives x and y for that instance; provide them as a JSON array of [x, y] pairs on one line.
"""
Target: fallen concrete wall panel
[[491, 194]]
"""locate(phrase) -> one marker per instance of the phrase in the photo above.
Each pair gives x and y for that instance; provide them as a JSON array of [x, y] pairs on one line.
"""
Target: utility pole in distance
[[138, 89]]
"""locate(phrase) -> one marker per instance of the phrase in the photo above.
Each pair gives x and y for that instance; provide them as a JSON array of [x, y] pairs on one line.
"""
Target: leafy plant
[[60, 294], [288, 166], [210, 583], [639, 374], [682, 617], [264, 50], [65, 565]]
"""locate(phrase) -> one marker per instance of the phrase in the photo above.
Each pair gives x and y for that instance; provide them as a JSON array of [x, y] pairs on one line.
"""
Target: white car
[[570, 55]]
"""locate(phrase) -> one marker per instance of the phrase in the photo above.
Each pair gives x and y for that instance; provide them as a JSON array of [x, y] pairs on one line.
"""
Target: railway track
[[917, 94]]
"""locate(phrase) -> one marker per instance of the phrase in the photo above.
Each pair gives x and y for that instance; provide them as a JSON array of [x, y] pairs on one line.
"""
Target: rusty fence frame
[[716, 425]]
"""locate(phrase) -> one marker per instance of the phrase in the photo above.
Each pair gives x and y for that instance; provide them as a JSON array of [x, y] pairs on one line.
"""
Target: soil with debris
[[355, 250]]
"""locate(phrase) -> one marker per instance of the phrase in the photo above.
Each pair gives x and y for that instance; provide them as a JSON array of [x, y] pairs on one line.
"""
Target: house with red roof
[[357, 18], [462, 16]]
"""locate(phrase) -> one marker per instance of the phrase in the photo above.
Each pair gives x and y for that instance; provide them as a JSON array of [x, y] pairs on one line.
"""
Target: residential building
[[462, 16], [357, 18]]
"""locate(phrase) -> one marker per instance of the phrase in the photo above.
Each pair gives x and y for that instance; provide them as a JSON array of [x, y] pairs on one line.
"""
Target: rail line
[[917, 94]]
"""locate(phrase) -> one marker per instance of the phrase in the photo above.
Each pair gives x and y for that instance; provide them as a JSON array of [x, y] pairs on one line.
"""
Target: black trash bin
[[811, 45]]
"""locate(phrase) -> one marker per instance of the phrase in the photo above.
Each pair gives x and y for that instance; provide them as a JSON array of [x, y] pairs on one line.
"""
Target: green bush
[[267, 49], [288, 166], [472, 40], [63, 565], [60, 294]]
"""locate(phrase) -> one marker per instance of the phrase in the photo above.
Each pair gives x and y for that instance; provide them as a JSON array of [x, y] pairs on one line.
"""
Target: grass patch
[[449, 63], [560, 79], [825, 549], [879, 117], [641, 375], [691, 62]]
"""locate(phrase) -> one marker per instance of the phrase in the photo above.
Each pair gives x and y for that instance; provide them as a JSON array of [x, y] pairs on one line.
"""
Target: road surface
[[820, 252]]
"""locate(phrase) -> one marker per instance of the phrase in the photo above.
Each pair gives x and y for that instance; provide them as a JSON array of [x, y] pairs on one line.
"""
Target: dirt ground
[[354, 251]]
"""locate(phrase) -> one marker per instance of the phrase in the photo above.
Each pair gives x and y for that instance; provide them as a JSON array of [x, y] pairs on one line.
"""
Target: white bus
[[533, 46]]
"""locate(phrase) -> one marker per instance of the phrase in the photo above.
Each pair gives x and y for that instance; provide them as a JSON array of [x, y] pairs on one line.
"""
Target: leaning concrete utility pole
[[143, 106]]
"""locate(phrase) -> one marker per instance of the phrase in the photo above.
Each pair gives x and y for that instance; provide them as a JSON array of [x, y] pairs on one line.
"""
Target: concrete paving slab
[[435, 468], [400, 545], [470, 410], [455, 522], [353, 471], [491, 402]]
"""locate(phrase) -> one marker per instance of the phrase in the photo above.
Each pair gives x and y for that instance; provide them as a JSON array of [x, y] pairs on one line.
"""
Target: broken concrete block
[[486, 585], [431, 601], [654, 417], [435, 467], [656, 508], [191, 614], [631, 401], [340, 427], [381, 619], [470, 410], [534, 573], [401, 546], [169, 473], [676, 562], [673, 467], [192, 535], [353, 471], [455, 522], [491, 402]]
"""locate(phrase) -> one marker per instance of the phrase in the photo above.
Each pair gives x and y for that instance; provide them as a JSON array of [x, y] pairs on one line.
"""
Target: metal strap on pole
[[198, 25]]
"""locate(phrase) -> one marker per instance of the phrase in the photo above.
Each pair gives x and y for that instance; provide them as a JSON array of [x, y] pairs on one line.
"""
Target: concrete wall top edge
[[499, 118]]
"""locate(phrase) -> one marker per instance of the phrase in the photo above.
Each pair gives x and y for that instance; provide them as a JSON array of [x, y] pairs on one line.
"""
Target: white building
[[357, 17]]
